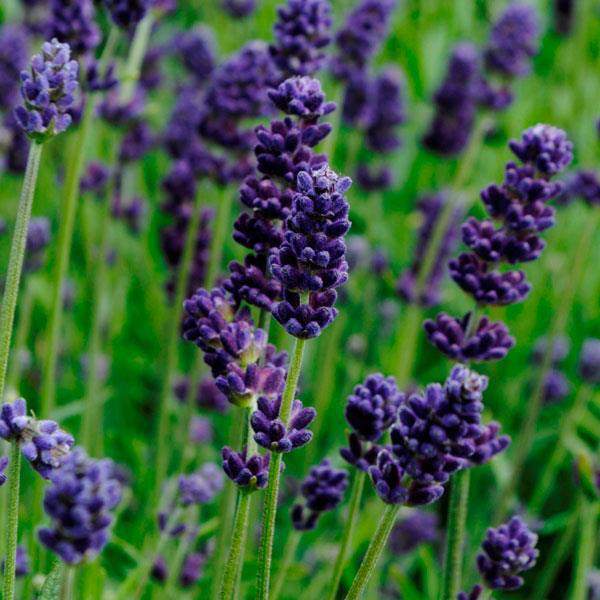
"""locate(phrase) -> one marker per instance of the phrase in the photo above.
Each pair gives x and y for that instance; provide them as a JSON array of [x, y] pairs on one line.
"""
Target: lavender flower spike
[[249, 473], [80, 500], [126, 14], [201, 486], [323, 490], [48, 92], [507, 551], [589, 361], [42, 443]]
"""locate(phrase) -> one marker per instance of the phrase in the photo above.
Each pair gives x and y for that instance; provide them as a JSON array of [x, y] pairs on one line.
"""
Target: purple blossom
[[42, 443], [80, 501], [489, 340], [418, 527], [200, 430], [589, 361], [361, 36], [239, 9], [513, 41], [301, 34], [136, 142], [13, 58], [127, 13], [3, 465], [555, 387], [360, 454], [95, 178], [584, 184], [560, 350], [191, 570], [197, 53], [507, 551], [48, 90], [372, 179], [272, 433], [474, 594], [202, 486], [38, 238], [250, 473], [208, 396], [322, 491], [74, 23]]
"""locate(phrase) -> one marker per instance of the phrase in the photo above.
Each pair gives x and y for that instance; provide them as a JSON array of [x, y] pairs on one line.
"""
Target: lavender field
[[300, 299]]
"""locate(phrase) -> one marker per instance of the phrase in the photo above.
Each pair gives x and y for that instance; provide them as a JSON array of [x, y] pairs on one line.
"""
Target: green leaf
[[51, 588]]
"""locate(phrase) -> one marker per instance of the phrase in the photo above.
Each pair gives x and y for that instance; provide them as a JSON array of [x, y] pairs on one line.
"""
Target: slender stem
[[527, 433], [15, 261], [218, 240], [351, 521], [584, 557], [66, 591], [12, 521], [289, 553], [163, 445], [405, 346], [264, 320], [92, 406], [226, 510], [378, 542], [455, 537], [68, 210], [183, 548], [20, 346], [233, 566], [265, 553], [136, 57]]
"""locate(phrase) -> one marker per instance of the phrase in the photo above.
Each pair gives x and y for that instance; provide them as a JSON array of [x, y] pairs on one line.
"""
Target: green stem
[[405, 347], [136, 57], [68, 210], [378, 542], [289, 553], [12, 521], [183, 548], [15, 261], [351, 521], [220, 229], [23, 327], [584, 557], [163, 445], [66, 591], [265, 553], [233, 565], [527, 433], [455, 537], [92, 412]]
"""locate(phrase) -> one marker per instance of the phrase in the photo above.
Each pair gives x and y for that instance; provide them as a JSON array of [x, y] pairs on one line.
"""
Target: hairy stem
[[15, 260], [221, 226], [136, 57], [378, 542], [289, 553], [351, 521], [265, 552], [455, 537], [12, 521]]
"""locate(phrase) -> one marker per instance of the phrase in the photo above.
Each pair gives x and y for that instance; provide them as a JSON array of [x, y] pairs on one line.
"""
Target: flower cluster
[[196, 50], [589, 361], [80, 500], [48, 92], [432, 210], [322, 490], [418, 527], [520, 204], [310, 263], [283, 151], [239, 9], [507, 551], [251, 473], [13, 58], [127, 13], [437, 433], [74, 23], [301, 33], [200, 487], [3, 465], [42, 443]]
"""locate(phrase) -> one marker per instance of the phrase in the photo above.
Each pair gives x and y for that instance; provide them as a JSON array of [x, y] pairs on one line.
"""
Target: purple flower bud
[[73, 23], [42, 443], [301, 33], [191, 570], [387, 476], [322, 491], [589, 361], [374, 180], [560, 350], [418, 527], [584, 184], [555, 387], [239, 9], [202, 486], [80, 501], [137, 141], [38, 238], [127, 13], [474, 594], [302, 97], [200, 431], [507, 551], [489, 341], [249, 473], [360, 454], [95, 179], [48, 91], [196, 50], [13, 59]]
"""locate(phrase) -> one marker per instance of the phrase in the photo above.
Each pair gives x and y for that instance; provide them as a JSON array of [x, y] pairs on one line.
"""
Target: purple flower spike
[[507, 551], [513, 41], [589, 361], [271, 433], [387, 475], [249, 473], [42, 443], [127, 13], [196, 50], [200, 430], [202, 486], [360, 36], [488, 444], [373, 406], [48, 91], [360, 454], [474, 594], [80, 501], [301, 33], [419, 527], [239, 9], [302, 97], [191, 569], [13, 58], [490, 341], [95, 178], [74, 23], [322, 490], [3, 465]]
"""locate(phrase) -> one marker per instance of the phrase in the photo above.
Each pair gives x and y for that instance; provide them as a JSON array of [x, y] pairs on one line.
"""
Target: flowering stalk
[[15, 261], [66, 591], [22, 331], [351, 521], [457, 517], [289, 553], [12, 520], [378, 542], [218, 238], [136, 57], [272, 492], [584, 556]]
